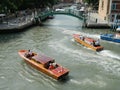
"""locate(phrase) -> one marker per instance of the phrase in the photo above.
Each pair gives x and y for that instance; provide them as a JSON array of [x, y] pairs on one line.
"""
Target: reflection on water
[[89, 70]]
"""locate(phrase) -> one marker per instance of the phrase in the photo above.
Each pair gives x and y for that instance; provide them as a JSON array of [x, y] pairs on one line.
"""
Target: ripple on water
[[106, 59], [97, 82], [108, 53], [32, 75], [71, 32]]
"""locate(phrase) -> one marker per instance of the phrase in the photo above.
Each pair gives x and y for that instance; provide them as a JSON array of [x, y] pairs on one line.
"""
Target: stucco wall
[[103, 8]]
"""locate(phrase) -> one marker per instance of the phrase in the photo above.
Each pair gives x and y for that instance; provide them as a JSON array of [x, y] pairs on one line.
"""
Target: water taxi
[[88, 42], [43, 63]]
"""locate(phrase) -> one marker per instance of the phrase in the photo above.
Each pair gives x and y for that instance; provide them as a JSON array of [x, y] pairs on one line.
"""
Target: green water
[[89, 70]]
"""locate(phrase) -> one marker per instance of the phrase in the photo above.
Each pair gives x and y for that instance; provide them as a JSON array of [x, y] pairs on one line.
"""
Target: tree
[[93, 2], [14, 5]]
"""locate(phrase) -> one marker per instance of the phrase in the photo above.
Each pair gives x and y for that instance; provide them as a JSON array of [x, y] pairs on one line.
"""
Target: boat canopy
[[42, 59], [118, 29], [2, 15], [108, 35]]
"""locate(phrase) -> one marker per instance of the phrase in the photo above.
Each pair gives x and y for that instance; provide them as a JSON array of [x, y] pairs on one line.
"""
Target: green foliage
[[14, 5], [93, 2]]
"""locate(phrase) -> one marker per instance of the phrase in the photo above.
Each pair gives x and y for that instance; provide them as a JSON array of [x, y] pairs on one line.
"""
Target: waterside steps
[[21, 23]]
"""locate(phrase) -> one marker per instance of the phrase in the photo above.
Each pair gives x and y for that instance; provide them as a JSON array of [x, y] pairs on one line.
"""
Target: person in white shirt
[[97, 43]]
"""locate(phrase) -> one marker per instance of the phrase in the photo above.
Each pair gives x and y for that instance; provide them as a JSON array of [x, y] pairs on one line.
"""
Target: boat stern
[[60, 72], [99, 48], [63, 76]]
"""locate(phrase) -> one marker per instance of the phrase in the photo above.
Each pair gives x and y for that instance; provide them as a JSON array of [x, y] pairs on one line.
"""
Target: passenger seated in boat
[[29, 54], [82, 37], [91, 43], [55, 65], [51, 66]]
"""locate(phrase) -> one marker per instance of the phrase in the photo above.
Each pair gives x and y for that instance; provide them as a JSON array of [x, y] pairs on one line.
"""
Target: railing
[[43, 15], [75, 13]]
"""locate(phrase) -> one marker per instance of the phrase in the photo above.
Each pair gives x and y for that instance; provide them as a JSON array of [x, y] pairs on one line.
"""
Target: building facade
[[109, 10], [67, 1], [71, 1], [78, 1]]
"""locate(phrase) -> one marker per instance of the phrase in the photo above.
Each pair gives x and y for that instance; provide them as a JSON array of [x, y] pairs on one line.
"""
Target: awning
[[42, 59], [2, 15]]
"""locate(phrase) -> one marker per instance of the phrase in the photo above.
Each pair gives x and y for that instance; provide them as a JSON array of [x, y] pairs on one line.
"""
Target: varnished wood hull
[[55, 73], [77, 39]]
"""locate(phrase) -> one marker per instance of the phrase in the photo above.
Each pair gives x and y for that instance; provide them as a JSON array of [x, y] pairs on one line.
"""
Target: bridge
[[75, 13], [88, 23]]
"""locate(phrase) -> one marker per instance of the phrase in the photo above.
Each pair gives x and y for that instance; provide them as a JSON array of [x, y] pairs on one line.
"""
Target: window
[[118, 16], [113, 6], [112, 15]]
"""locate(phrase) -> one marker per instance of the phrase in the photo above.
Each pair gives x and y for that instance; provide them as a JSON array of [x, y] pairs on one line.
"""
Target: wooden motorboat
[[111, 37], [88, 42], [42, 63]]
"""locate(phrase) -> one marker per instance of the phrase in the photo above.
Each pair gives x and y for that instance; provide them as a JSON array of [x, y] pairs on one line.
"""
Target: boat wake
[[108, 53], [60, 47], [71, 32], [106, 59]]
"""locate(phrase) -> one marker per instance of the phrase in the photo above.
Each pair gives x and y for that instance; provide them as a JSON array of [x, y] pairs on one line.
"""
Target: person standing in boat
[[97, 43]]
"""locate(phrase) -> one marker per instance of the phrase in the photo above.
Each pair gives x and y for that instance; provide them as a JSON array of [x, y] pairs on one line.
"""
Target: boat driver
[[82, 37], [97, 43], [29, 54]]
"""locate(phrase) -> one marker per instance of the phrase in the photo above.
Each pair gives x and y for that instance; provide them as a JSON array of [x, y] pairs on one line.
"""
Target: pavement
[[16, 22]]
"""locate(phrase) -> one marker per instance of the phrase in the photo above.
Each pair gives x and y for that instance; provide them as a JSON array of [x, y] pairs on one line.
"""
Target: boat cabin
[[44, 60]]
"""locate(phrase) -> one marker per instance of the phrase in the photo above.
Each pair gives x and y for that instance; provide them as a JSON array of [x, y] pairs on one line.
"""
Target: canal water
[[89, 70]]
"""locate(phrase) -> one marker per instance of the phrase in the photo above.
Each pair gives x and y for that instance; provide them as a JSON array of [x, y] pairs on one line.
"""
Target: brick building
[[109, 10]]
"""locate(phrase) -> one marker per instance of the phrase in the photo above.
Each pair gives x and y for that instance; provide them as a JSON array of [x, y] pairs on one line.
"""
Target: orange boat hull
[[58, 73], [95, 48]]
